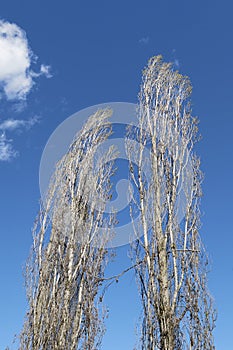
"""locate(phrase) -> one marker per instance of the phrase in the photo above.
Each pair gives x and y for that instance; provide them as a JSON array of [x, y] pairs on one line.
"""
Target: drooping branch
[[65, 271], [177, 311]]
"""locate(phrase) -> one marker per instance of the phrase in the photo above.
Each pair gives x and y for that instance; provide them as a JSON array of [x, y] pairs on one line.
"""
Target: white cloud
[[46, 70], [7, 152], [16, 75], [13, 124]]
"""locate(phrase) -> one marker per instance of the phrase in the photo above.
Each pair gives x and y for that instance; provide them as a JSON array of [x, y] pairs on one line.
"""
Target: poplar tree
[[168, 254], [65, 270]]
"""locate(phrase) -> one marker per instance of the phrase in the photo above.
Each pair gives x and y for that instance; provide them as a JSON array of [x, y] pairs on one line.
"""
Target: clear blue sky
[[96, 51]]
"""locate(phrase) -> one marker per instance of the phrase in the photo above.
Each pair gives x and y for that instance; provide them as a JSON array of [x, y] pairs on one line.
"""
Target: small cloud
[[16, 57], [144, 40], [45, 70], [7, 151], [13, 124], [176, 63], [175, 59], [19, 106]]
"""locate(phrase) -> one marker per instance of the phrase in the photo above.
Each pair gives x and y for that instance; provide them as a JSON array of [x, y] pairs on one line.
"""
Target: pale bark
[[65, 271], [177, 310]]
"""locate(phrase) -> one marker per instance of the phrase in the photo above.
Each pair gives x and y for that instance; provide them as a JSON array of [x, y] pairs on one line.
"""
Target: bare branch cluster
[[68, 257], [177, 309], [65, 277]]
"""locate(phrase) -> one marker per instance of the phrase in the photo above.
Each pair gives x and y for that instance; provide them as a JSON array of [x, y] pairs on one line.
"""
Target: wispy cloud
[[176, 63], [144, 40], [7, 151], [13, 124], [45, 70], [175, 59], [16, 76]]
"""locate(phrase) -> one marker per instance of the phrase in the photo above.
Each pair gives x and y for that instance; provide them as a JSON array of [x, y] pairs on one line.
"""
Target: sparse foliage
[[68, 257], [65, 271], [177, 308]]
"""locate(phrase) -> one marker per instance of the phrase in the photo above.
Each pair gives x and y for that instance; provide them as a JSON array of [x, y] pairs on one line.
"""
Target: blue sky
[[92, 52]]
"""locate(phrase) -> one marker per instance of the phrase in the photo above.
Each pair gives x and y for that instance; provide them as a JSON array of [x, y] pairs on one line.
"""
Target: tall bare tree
[[68, 257], [170, 260]]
